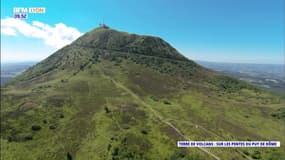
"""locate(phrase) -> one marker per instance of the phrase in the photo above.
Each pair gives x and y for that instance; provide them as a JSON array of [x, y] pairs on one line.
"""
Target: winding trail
[[163, 120], [212, 133]]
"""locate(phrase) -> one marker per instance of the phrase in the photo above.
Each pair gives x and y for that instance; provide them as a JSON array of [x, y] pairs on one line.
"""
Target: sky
[[240, 31]]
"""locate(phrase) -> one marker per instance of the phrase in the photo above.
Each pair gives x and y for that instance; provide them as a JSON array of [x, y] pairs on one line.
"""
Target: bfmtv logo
[[22, 13]]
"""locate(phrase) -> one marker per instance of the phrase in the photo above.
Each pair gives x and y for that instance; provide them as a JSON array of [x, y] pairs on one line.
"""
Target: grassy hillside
[[100, 98]]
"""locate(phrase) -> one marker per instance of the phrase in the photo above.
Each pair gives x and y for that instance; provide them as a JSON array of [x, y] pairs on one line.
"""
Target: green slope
[[114, 95]]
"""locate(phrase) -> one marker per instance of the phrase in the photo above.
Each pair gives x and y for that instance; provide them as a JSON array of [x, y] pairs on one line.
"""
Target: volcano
[[115, 95]]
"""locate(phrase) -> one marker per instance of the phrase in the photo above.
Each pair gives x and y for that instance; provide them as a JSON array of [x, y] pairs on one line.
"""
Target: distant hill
[[10, 70], [114, 95], [268, 76]]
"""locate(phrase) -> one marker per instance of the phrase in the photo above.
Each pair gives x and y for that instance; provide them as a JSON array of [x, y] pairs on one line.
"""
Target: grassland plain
[[115, 95]]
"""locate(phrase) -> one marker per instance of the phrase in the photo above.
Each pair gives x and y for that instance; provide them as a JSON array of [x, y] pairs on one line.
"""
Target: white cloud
[[8, 31], [56, 36]]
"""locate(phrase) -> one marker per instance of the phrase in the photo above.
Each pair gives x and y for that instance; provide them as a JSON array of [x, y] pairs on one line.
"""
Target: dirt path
[[212, 133], [137, 98]]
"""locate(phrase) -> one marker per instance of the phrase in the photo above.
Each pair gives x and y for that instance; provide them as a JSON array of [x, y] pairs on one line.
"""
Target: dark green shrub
[[166, 102], [52, 126], [109, 147], [68, 156], [36, 127], [45, 121], [82, 67], [143, 131], [115, 152], [107, 110], [246, 152], [60, 115]]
